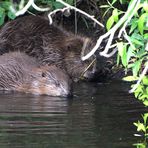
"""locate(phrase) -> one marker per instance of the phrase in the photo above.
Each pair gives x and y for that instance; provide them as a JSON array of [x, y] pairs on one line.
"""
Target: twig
[[55, 11], [110, 54], [92, 62], [80, 11], [38, 8], [22, 11]]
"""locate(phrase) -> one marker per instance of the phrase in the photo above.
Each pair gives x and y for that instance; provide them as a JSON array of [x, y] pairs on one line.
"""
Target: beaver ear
[[73, 44]]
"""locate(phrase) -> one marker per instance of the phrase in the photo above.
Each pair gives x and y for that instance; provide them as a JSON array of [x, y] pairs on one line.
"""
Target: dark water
[[99, 116]]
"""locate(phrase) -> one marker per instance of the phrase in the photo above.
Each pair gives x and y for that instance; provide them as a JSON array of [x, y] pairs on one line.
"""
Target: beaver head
[[20, 72], [75, 48], [48, 80]]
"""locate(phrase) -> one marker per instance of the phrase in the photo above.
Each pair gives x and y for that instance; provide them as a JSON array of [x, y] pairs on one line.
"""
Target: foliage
[[132, 54], [133, 51], [141, 145], [142, 126], [5, 10], [8, 8]]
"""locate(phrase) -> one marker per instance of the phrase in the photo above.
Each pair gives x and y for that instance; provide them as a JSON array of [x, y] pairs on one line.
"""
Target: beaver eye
[[43, 74], [68, 47], [57, 84]]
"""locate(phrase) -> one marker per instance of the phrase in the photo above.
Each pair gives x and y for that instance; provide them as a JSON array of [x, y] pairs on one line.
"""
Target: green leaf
[[147, 90], [11, 15], [145, 102], [145, 6], [130, 53], [5, 5], [71, 2], [145, 117], [110, 22], [137, 36], [2, 15], [130, 78], [146, 36], [141, 22], [133, 25], [115, 15], [142, 97], [122, 52], [130, 65], [136, 67], [57, 5], [145, 80], [141, 127], [137, 42], [120, 47], [124, 57], [136, 124]]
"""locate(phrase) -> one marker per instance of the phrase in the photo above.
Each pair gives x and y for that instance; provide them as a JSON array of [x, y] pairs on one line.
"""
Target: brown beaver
[[20, 72], [48, 43]]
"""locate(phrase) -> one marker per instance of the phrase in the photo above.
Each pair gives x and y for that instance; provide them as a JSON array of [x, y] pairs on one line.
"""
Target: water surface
[[99, 116]]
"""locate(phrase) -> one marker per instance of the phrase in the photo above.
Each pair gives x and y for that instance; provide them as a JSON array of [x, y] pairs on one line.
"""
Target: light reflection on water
[[99, 116]]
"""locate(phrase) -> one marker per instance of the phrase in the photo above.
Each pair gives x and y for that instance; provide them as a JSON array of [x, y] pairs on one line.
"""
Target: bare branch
[[38, 8], [108, 44], [28, 5], [80, 11], [22, 11], [107, 55], [55, 11]]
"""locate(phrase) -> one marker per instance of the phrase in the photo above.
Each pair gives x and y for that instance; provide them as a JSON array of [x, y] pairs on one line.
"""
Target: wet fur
[[50, 44]]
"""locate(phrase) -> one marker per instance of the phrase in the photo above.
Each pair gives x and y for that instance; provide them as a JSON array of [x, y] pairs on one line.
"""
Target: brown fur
[[23, 73], [48, 43]]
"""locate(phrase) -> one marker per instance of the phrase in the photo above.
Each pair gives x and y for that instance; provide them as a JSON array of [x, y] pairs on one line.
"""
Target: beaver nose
[[69, 92], [70, 95], [89, 75]]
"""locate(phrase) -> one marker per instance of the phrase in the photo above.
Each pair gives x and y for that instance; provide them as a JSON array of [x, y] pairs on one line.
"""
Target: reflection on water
[[99, 116]]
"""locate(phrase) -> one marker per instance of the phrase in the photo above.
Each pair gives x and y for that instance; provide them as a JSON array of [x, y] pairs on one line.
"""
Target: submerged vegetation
[[131, 47]]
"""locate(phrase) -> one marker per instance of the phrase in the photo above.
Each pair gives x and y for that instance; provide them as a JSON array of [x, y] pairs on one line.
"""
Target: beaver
[[23, 73], [50, 44]]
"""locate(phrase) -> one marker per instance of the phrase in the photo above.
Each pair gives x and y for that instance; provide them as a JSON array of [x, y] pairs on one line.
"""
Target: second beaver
[[20, 72], [48, 43]]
